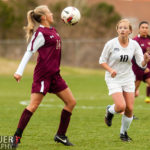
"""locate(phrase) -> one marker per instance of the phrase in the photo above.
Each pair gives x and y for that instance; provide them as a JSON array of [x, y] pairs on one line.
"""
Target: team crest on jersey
[[51, 36], [116, 49], [142, 44]]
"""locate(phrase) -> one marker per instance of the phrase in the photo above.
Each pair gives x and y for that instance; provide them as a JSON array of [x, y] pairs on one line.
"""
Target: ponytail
[[34, 18], [31, 25]]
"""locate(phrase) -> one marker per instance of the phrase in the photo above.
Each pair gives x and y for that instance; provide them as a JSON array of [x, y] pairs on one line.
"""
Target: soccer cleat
[[62, 139], [108, 117], [135, 118], [15, 141], [124, 137], [147, 100]]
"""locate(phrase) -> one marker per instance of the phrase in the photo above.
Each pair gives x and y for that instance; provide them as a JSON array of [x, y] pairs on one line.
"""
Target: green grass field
[[87, 129]]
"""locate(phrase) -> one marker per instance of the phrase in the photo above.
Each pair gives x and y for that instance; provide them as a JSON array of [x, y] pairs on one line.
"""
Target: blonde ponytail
[[34, 18], [31, 25]]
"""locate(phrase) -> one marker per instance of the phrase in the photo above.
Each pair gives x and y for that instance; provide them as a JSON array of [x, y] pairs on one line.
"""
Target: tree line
[[97, 21]]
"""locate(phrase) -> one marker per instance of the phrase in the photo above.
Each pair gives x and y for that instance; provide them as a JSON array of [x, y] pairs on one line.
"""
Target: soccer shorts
[[53, 84], [117, 87]]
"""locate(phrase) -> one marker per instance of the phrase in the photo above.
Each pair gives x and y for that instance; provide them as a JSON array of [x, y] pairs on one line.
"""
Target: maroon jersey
[[143, 42], [46, 74], [145, 45], [49, 57]]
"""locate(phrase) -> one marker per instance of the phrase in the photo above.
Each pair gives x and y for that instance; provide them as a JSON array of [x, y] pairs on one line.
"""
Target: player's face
[[143, 30], [49, 16], [123, 29]]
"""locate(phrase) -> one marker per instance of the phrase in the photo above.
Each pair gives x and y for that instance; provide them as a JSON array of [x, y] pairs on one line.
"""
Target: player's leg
[[137, 85], [128, 116], [36, 99], [147, 100], [67, 97], [118, 107]]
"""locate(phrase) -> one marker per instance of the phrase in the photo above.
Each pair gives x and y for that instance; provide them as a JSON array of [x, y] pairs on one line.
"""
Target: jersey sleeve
[[105, 53], [36, 42], [139, 57], [24, 62]]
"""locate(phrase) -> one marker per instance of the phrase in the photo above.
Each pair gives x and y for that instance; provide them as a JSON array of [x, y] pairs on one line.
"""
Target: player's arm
[[109, 69], [36, 42], [141, 59], [22, 65], [146, 59], [104, 58]]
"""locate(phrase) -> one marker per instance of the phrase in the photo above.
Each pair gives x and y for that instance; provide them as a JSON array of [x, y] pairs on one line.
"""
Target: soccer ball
[[70, 15]]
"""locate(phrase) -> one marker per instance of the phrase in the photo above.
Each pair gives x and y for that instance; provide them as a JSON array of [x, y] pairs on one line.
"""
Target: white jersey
[[119, 59]]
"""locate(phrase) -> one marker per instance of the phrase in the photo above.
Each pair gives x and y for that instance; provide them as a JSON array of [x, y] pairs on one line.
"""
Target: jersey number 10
[[123, 58]]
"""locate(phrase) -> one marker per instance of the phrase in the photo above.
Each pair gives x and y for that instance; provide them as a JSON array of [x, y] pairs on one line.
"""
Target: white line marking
[[61, 106], [100, 97], [26, 102]]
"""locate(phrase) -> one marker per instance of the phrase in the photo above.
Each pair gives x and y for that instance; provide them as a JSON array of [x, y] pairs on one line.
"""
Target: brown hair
[[124, 20], [143, 22], [34, 18]]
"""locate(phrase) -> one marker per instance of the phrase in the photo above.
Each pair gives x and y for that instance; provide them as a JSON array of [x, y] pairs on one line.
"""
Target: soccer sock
[[148, 91], [126, 122], [112, 109], [24, 119], [64, 122]]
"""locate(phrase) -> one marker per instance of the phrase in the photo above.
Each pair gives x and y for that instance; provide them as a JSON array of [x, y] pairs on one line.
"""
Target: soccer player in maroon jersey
[[47, 76], [143, 39]]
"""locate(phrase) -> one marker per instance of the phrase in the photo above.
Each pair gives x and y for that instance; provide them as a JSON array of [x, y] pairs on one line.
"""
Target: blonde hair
[[34, 18], [124, 20]]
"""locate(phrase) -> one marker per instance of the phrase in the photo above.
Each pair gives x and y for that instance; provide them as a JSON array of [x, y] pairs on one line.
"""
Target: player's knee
[[129, 109], [32, 107], [121, 108], [72, 103]]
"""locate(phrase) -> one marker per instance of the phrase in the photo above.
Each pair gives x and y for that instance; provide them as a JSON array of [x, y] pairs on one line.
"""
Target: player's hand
[[113, 73], [146, 70], [146, 57], [17, 77]]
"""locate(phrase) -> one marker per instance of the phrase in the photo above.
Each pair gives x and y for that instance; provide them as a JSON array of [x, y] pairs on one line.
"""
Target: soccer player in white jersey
[[116, 60]]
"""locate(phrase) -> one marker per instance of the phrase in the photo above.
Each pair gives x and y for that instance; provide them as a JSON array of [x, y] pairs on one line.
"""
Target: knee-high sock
[[126, 122], [64, 122], [112, 109], [24, 119], [148, 91]]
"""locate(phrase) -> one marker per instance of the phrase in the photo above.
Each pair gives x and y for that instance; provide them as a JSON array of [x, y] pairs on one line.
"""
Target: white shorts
[[117, 87]]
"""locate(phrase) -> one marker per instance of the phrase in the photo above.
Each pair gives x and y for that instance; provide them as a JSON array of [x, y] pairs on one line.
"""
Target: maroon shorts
[[139, 73], [53, 84]]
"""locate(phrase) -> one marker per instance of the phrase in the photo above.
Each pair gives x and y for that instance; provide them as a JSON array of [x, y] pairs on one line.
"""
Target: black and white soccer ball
[[70, 15]]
